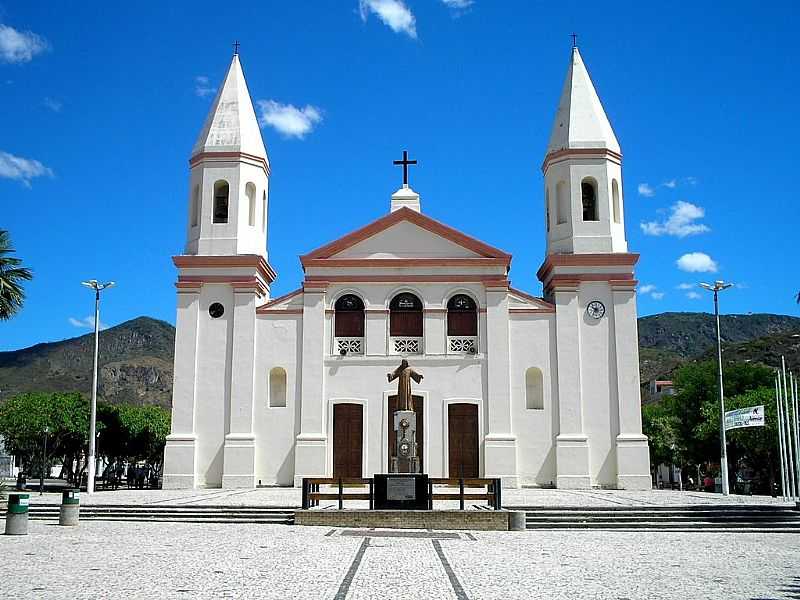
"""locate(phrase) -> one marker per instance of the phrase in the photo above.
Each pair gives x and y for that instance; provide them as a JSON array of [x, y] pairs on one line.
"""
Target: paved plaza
[[181, 560], [281, 496]]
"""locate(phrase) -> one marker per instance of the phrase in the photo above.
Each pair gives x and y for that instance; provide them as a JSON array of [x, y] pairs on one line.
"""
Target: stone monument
[[405, 458]]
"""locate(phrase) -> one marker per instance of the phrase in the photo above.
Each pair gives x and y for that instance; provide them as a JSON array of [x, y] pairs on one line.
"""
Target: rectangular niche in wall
[[534, 389], [277, 388]]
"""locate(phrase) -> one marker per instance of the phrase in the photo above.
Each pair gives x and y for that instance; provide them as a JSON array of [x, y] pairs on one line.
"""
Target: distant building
[[6, 462], [661, 388]]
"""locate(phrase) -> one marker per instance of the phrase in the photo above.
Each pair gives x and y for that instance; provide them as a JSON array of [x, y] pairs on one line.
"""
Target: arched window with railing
[[462, 324], [405, 323], [348, 325], [221, 197]]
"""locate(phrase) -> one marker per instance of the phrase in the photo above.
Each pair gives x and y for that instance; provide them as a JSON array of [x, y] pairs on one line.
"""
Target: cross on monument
[[236, 47], [574, 40], [405, 162]]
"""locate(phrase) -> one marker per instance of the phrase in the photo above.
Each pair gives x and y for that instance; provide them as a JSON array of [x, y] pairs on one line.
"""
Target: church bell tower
[[229, 181], [223, 276], [588, 274]]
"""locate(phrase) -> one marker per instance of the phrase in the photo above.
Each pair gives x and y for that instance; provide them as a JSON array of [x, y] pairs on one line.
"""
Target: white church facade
[[537, 391]]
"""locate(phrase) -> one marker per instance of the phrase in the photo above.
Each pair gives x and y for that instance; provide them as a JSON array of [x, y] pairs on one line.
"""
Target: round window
[[216, 310]]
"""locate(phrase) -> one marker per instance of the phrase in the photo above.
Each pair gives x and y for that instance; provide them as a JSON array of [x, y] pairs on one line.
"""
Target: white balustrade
[[350, 345], [462, 344], [405, 345]]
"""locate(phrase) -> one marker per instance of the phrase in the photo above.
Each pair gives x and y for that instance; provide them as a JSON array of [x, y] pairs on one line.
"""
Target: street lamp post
[[91, 466], [723, 463], [44, 461]]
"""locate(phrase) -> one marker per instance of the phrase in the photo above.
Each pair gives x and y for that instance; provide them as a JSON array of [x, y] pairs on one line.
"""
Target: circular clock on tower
[[595, 309]]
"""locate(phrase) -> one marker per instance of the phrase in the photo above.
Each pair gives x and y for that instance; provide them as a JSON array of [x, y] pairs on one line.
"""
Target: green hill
[[135, 364]]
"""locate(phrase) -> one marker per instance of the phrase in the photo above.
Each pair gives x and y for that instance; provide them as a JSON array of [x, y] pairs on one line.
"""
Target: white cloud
[[651, 290], [85, 323], [680, 223], [203, 87], [20, 46], [646, 190], [394, 13], [697, 262], [693, 295], [671, 184], [288, 119], [691, 180], [458, 5], [22, 169], [53, 104], [686, 286]]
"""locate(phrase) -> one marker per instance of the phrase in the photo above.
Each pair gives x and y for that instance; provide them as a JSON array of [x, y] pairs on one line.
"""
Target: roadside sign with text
[[745, 417]]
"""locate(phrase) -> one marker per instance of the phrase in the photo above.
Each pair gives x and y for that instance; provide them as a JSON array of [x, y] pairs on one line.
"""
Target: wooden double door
[[348, 440], [462, 440]]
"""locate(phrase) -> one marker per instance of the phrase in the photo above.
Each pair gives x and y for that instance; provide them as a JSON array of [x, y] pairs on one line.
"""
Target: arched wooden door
[[348, 432], [462, 440]]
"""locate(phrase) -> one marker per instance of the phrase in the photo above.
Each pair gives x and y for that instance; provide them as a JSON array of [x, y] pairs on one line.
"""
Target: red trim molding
[[389, 263], [254, 261], [323, 281], [628, 259], [560, 155], [240, 156]]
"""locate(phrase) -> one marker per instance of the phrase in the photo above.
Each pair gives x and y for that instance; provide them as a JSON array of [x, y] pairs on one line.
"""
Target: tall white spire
[[580, 120], [231, 124]]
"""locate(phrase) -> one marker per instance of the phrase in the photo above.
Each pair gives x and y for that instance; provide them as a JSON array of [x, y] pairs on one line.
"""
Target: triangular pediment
[[406, 234], [406, 240]]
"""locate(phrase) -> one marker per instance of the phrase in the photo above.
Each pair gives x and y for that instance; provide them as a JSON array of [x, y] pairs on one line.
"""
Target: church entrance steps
[[176, 514], [762, 518]]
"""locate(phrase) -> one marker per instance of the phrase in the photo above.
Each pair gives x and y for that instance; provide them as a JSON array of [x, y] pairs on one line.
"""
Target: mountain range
[[136, 356]]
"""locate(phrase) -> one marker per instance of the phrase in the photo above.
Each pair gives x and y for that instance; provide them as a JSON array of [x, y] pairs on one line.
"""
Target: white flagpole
[[794, 421], [789, 443], [778, 403]]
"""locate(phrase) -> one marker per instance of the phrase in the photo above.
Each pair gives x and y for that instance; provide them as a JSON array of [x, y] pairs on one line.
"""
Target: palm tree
[[11, 276]]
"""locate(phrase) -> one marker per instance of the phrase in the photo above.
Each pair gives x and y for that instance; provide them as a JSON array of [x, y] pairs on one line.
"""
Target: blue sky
[[100, 107]]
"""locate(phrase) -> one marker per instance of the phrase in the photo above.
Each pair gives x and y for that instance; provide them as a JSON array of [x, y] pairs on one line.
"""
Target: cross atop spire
[[574, 40], [405, 162], [236, 48]]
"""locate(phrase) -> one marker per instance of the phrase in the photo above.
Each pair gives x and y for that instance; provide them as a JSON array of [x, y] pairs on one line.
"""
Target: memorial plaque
[[401, 488], [401, 491]]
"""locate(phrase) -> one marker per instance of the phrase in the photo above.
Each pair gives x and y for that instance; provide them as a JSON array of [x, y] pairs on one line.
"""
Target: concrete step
[[675, 508], [660, 518], [666, 526], [171, 513]]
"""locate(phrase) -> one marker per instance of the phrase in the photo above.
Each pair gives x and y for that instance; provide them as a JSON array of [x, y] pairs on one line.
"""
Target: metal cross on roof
[[405, 162], [236, 47], [574, 40]]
